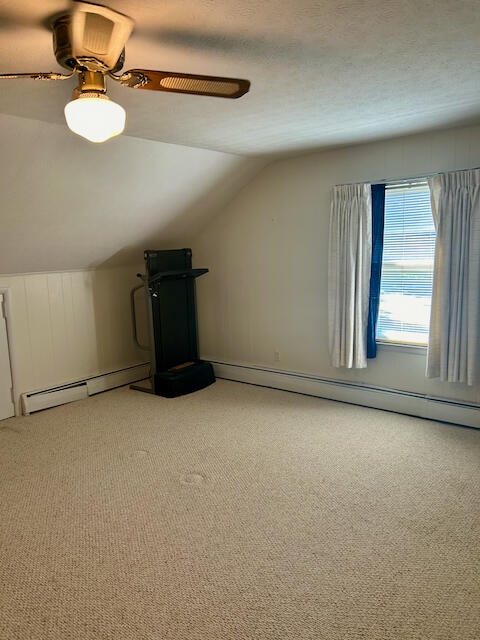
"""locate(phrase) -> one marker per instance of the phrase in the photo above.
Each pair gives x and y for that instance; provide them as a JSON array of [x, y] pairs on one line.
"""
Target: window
[[407, 266]]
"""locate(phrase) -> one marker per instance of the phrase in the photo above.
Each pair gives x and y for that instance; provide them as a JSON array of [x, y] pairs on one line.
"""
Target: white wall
[[267, 254], [71, 325]]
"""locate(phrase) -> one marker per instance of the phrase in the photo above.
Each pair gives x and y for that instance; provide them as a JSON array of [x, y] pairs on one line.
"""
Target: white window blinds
[[407, 266]]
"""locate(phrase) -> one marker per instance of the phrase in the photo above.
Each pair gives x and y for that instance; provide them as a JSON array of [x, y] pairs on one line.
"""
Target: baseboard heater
[[46, 398], [414, 404]]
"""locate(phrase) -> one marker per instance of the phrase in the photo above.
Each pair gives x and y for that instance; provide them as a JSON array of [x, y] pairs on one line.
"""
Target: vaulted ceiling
[[322, 72]]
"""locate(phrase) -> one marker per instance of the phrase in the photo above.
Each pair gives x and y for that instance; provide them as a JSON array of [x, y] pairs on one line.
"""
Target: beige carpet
[[237, 513]]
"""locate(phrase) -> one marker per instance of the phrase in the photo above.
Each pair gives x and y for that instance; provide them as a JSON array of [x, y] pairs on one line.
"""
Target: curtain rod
[[417, 178]]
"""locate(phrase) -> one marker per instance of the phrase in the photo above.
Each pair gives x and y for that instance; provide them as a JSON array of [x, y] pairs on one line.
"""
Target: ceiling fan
[[89, 42]]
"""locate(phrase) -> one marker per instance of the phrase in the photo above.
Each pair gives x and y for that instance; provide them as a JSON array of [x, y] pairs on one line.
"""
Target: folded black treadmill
[[169, 283]]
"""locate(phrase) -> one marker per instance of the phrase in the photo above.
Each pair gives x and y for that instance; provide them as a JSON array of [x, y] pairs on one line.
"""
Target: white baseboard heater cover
[[46, 398], [422, 406]]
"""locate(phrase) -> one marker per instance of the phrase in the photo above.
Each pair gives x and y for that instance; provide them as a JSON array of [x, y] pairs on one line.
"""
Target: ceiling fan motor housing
[[92, 37]]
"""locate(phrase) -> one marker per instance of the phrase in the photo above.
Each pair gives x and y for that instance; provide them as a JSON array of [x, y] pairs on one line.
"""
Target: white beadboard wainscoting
[[69, 326], [423, 406]]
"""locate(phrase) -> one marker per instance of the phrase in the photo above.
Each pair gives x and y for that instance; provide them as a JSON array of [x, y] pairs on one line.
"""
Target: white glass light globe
[[95, 117]]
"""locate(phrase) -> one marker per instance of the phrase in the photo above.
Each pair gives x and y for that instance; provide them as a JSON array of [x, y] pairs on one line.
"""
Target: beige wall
[[70, 325], [267, 254]]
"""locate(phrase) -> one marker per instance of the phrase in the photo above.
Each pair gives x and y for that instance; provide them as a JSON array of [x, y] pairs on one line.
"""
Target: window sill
[[404, 347]]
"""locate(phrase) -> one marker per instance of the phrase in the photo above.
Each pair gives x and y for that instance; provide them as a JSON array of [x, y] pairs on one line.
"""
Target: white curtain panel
[[350, 255], [454, 340]]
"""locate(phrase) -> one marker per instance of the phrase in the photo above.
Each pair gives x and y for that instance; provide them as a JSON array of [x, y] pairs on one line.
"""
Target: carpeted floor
[[237, 512]]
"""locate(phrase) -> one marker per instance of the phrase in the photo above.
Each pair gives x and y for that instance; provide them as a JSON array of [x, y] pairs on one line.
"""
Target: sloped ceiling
[[323, 73], [70, 205]]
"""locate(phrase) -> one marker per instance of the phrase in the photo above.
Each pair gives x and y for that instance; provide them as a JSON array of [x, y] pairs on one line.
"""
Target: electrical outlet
[[276, 356]]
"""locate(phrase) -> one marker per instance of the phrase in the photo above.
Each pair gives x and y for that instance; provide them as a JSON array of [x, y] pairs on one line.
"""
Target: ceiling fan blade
[[35, 76], [215, 86]]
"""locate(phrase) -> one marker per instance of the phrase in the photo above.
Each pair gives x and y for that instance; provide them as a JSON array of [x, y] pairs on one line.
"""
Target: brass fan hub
[[91, 81]]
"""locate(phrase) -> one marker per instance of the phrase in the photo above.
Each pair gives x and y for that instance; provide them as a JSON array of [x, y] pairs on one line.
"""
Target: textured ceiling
[[323, 72]]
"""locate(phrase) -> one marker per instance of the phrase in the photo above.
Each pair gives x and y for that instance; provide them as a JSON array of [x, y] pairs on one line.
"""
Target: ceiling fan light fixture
[[94, 116]]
